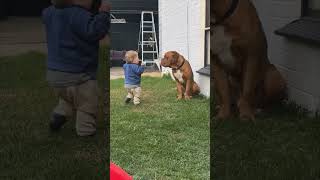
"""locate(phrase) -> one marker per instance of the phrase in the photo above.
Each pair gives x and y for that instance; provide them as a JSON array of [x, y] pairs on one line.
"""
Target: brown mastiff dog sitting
[[242, 72], [182, 73]]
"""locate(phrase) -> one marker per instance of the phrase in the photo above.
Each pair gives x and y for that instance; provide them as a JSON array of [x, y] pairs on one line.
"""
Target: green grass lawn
[[161, 138], [283, 145], [27, 149]]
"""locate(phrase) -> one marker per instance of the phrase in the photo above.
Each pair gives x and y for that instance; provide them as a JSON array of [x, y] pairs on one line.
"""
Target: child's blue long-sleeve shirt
[[132, 73], [73, 35]]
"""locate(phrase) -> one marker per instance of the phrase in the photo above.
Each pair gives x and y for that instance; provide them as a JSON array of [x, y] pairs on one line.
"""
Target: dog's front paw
[[187, 97], [246, 117], [179, 97], [246, 111], [223, 114]]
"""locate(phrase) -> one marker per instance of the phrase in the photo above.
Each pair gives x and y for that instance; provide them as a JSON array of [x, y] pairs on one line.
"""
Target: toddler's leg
[[85, 123], [63, 110], [137, 95], [129, 95], [87, 99]]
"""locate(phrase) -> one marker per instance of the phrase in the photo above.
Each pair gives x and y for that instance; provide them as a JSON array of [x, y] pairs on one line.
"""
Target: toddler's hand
[[136, 61], [105, 7]]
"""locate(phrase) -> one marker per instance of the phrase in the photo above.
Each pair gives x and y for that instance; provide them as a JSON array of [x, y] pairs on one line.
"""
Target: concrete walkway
[[20, 34], [23, 34], [117, 72]]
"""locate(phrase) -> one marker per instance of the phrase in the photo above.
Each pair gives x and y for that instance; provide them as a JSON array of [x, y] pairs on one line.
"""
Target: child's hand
[[105, 7], [136, 61]]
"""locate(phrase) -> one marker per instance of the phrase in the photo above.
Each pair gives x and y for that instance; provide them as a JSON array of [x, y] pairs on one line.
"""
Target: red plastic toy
[[116, 173]]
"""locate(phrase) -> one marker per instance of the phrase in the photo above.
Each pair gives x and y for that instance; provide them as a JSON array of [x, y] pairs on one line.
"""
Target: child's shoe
[[127, 100], [57, 122], [136, 103], [136, 100]]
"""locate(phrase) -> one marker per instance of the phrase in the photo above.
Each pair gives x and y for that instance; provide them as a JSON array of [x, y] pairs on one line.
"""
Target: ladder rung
[[147, 22], [147, 12], [145, 26], [148, 42], [149, 61], [148, 31]]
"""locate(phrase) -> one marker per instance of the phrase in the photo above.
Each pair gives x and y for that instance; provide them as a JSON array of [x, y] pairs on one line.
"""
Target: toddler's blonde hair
[[131, 55]]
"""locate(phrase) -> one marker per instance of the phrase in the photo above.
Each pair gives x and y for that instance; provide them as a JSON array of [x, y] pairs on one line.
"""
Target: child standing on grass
[[132, 72], [73, 35]]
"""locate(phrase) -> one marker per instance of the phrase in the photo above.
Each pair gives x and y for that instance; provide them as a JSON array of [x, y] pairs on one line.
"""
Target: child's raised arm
[[139, 69], [89, 27]]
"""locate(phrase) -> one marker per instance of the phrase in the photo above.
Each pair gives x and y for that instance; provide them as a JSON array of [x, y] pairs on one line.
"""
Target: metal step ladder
[[148, 44]]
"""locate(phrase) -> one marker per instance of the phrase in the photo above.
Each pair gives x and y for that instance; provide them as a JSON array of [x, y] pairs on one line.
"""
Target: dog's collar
[[230, 11], [180, 65]]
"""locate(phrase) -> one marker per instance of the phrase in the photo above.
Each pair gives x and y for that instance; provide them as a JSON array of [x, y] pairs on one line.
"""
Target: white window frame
[[207, 35]]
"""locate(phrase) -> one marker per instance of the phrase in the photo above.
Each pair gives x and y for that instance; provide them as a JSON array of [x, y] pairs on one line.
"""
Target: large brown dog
[[241, 69], [182, 73]]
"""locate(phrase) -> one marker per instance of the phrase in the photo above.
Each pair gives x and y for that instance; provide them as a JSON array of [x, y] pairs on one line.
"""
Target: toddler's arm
[[89, 27], [139, 69], [45, 15]]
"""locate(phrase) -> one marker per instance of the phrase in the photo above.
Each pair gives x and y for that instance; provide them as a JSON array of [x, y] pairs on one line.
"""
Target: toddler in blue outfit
[[132, 72], [73, 33]]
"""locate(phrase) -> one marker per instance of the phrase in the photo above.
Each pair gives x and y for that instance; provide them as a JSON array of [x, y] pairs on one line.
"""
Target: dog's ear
[[175, 57]]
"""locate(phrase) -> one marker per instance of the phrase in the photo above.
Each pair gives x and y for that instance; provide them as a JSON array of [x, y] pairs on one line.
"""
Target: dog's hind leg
[[189, 87], [274, 85], [195, 89]]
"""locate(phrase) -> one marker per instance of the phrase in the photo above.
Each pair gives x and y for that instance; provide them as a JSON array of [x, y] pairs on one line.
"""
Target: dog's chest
[[179, 76], [221, 46]]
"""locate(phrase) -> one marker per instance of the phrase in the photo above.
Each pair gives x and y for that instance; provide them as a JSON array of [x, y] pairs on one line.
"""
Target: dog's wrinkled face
[[170, 59]]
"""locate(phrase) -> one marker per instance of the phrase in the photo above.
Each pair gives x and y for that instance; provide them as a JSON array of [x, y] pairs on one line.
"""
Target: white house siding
[[299, 62], [181, 28]]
